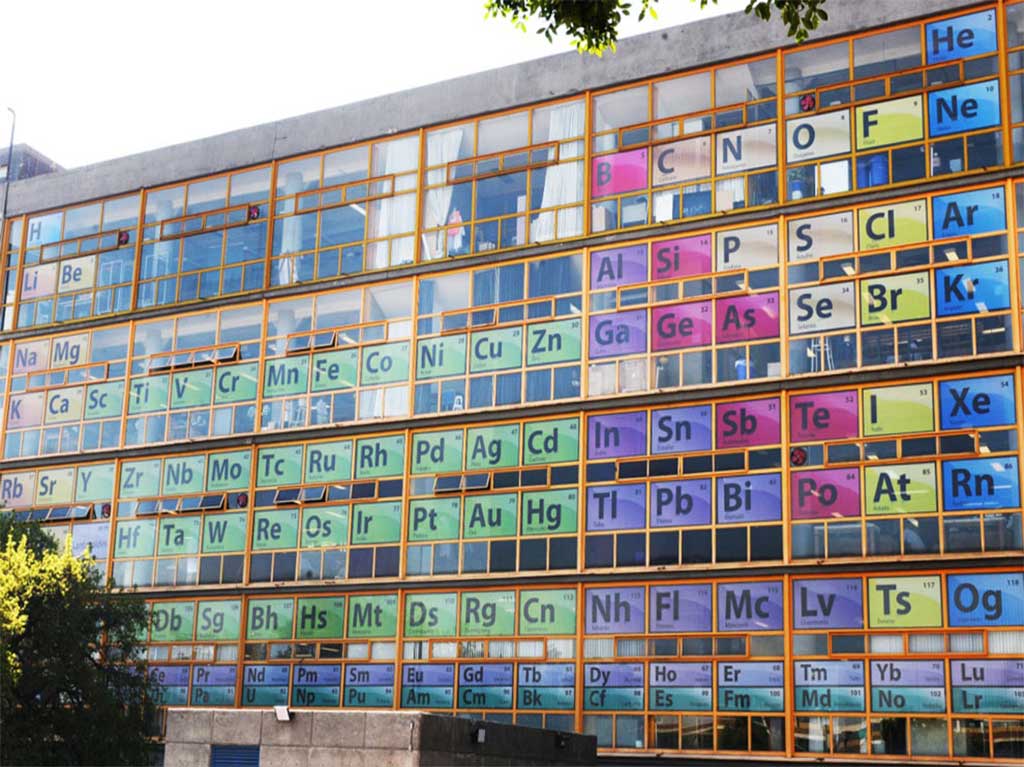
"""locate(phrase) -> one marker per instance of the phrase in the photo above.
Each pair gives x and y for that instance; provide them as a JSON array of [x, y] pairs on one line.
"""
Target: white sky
[[95, 79]]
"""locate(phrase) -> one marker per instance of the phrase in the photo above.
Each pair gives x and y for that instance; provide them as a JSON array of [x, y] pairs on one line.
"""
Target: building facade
[[674, 398]]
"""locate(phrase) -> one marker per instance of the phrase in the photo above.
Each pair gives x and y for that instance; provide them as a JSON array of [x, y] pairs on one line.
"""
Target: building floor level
[[675, 398]]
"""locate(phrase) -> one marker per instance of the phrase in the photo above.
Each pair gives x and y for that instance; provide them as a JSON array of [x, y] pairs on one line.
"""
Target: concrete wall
[[691, 45], [365, 739]]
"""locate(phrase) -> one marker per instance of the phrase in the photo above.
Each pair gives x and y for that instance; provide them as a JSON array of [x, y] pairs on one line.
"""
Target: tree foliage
[[67, 693], [593, 25]]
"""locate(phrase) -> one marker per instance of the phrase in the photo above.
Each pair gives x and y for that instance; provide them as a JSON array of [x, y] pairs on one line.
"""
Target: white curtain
[[927, 643], [383, 402], [291, 233], [730, 193], [1005, 642], [561, 648], [888, 644], [443, 650], [371, 404], [603, 647], [601, 379], [973, 643], [501, 649], [442, 148], [531, 648], [397, 214], [563, 183], [415, 650], [631, 648]]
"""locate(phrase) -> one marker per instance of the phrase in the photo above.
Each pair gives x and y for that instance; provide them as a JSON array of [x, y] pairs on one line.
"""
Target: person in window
[[456, 234], [914, 350], [844, 352], [666, 372], [742, 369]]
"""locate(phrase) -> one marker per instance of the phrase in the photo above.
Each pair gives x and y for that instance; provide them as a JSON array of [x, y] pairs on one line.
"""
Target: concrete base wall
[[367, 739]]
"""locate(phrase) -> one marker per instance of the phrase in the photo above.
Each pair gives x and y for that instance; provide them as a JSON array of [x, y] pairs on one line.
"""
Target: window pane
[[82, 221], [616, 110], [558, 123], [928, 737], [346, 166], [298, 176], [501, 133], [817, 67], [120, 213], [745, 82], [449, 144], [682, 95], [888, 52], [250, 186], [207, 195]]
